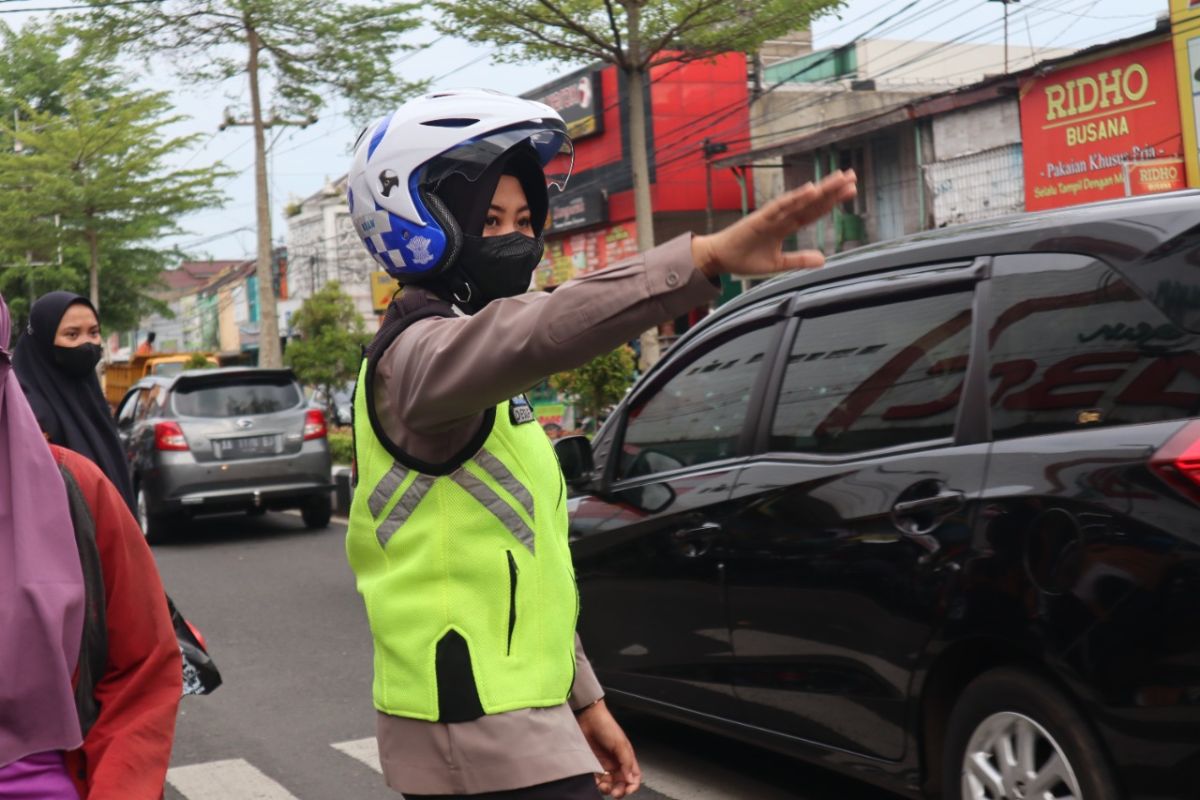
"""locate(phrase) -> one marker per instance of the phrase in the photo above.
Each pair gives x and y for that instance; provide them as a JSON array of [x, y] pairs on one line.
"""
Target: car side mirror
[[575, 457]]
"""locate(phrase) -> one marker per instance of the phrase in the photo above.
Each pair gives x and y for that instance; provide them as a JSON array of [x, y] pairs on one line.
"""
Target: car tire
[[1011, 712], [154, 526], [317, 511]]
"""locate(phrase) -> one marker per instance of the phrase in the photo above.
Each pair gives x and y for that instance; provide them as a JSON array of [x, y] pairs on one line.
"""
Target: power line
[[110, 4]]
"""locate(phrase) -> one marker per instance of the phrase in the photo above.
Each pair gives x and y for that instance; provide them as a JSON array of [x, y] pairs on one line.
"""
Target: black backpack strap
[[93, 651], [403, 311]]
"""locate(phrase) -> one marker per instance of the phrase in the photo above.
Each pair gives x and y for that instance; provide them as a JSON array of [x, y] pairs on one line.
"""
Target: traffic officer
[[458, 526]]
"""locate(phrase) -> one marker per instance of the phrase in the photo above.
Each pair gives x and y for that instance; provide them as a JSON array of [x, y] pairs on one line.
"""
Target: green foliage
[[633, 34], [332, 336], [38, 61], [341, 446], [307, 47], [84, 186], [198, 361], [598, 384]]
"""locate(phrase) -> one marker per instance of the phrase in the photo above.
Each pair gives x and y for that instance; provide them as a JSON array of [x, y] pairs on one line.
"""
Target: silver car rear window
[[236, 399]]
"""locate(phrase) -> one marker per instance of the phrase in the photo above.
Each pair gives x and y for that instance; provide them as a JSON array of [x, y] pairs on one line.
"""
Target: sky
[[301, 161]]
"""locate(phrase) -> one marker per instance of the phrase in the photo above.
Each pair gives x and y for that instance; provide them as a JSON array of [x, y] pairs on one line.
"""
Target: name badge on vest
[[519, 410]]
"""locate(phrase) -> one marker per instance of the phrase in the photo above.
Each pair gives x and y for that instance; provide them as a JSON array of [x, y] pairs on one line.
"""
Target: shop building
[[1093, 125], [592, 223]]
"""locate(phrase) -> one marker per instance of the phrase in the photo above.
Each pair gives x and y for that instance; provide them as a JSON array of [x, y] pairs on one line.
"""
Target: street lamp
[[1006, 3], [710, 148]]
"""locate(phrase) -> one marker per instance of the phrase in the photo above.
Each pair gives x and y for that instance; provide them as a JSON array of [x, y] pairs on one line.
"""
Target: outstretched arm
[[442, 372]]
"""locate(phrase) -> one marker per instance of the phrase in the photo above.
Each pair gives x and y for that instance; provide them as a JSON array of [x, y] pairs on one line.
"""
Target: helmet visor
[[548, 138]]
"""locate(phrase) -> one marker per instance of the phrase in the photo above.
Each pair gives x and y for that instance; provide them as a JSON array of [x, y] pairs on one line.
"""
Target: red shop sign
[[1082, 124], [1157, 175]]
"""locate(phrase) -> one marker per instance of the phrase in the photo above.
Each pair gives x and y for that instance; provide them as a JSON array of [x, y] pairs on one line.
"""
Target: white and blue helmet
[[399, 158]]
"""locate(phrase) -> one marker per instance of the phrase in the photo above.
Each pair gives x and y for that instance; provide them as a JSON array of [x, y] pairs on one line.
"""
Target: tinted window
[[1170, 276], [874, 377], [128, 408], [697, 415], [1074, 345], [146, 401], [250, 396]]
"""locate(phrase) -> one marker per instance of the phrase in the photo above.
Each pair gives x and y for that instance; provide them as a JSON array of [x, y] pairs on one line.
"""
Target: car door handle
[[696, 541], [945, 502]]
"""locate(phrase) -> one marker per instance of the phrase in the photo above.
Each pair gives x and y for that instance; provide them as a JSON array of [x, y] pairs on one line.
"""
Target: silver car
[[223, 440]]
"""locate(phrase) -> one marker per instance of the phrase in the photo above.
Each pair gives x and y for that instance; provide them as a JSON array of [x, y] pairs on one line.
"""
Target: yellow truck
[[120, 375]]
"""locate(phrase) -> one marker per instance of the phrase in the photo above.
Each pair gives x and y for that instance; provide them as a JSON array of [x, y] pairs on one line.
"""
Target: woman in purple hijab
[[41, 604]]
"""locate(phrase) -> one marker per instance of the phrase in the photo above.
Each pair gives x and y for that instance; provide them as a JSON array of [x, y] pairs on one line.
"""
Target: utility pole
[[1005, 3], [269, 354]]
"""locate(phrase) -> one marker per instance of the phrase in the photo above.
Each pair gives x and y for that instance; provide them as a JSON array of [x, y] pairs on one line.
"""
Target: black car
[[929, 515]]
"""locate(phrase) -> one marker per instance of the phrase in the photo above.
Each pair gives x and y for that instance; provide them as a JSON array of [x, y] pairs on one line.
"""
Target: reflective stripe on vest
[[416, 490], [408, 501], [449, 556]]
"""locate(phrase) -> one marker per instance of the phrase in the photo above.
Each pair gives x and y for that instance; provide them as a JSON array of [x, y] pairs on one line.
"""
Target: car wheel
[[1012, 735], [153, 525], [317, 511]]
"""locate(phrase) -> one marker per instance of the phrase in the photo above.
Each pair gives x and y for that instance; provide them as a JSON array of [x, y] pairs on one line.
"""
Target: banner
[[1159, 175], [1185, 38], [580, 253], [577, 99], [1082, 123]]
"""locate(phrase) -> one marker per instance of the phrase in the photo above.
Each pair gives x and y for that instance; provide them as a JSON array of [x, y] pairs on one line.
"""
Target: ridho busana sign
[[1081, 126]]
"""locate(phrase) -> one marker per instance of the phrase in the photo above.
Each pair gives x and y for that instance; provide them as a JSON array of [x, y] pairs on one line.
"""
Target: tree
[[38, 61], [329, 349], [599, 383], [636, 36], [304, 47], [90, 182]]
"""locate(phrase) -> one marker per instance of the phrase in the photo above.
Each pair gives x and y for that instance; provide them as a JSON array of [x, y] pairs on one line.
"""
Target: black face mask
[[497, 266], [78, 361]]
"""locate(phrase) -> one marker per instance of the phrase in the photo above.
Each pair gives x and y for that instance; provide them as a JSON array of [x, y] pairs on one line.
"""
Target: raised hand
[[754, 244]]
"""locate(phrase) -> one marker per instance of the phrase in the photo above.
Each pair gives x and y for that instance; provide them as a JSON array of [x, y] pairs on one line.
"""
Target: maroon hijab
[[41, 582]]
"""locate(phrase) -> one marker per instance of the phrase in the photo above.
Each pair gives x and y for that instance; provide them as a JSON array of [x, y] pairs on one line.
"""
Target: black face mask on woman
[[496, 267], [77, 361]]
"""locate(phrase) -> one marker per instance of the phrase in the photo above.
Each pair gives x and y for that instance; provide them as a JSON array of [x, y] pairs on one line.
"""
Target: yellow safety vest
[[465, 571]]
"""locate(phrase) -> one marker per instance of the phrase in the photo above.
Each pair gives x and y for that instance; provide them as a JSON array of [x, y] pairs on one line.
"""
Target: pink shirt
[[41, 776]]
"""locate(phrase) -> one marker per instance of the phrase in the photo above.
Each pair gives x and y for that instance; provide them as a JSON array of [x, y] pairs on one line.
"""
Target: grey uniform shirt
[[432, 386]]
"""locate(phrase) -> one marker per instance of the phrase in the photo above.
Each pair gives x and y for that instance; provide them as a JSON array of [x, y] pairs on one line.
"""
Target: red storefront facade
[[592, 224]]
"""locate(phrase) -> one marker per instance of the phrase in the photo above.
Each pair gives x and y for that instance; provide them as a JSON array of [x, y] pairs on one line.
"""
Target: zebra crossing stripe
[[364, 750], [232, 779]]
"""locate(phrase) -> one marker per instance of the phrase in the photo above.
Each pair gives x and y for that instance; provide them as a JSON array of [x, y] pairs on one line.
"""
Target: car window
[[129, 407], [1170, 277], [1073, 345], [146, 398], [873, 377], [697, 415], [247, 396]]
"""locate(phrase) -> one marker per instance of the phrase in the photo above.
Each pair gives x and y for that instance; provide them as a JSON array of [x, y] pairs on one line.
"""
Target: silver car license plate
[[246, 446]]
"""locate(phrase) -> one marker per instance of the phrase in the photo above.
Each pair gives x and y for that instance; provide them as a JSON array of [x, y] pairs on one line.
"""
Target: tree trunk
[[268, 322], [639, 159], [93, 245]]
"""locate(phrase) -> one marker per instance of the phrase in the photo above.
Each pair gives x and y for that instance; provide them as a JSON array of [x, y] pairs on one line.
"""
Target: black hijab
[[71, 411], [469, 201]]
